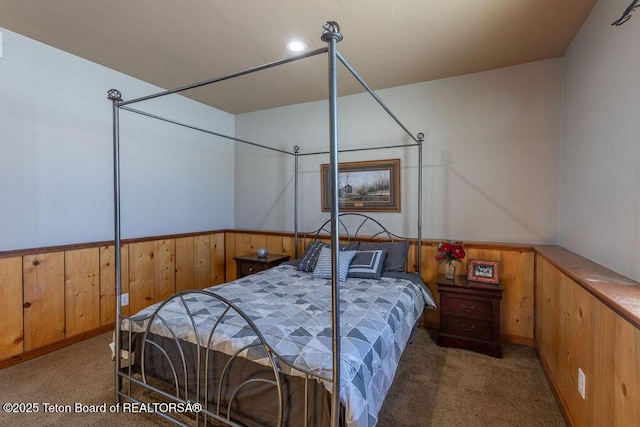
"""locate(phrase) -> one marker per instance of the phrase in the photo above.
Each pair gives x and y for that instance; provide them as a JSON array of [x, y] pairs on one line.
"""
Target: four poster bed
[[312, 342]]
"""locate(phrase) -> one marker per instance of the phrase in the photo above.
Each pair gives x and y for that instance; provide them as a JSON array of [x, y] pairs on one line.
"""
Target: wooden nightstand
[[470, 315], [251, 263]]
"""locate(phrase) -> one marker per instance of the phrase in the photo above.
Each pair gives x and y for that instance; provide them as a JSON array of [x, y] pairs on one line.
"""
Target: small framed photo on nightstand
[[483, 271]]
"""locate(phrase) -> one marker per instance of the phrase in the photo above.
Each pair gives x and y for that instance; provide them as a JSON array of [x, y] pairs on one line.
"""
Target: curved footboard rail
[[188, 356]]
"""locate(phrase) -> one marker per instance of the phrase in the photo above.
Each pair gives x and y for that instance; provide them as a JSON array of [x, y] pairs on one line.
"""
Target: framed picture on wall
[[483, 271], [370, 186]]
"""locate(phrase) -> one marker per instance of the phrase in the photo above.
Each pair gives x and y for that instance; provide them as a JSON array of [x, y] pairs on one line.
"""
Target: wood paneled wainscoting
[[55, 296], [52, 297], [588, 318]]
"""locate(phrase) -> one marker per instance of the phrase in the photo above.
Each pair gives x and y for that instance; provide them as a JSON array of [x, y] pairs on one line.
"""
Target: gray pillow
[[396, 254], [323, 267], [310, 256], [367, 264]]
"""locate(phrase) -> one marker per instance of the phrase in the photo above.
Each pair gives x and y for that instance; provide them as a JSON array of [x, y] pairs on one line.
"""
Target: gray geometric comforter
[[292, 310]]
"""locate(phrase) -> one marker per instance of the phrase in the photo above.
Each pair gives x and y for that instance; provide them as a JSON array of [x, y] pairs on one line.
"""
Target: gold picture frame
[[368, 186]]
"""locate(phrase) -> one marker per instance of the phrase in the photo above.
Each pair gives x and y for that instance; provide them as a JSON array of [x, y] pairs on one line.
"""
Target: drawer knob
[[468, 309], [467, 328], [250, 269]]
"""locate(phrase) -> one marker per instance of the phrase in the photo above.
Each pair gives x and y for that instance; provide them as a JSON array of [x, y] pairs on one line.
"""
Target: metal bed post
[[296, 151], [115, 96], [332, 36], [420, 138]]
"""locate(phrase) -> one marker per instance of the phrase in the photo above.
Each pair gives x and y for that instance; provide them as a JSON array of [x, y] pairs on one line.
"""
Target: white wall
[[490, 173], [56, 180], [600, 203]]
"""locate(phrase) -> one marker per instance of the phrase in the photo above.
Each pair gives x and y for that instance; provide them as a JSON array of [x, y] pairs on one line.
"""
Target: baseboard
[[31, 354], [516, 339], [554, 388]]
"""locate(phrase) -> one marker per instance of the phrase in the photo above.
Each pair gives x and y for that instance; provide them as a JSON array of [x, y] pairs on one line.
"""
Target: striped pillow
[[310, 256], [323, 267]]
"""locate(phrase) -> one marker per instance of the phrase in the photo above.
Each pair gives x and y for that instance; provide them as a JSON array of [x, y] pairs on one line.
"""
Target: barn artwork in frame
[[369, 186]]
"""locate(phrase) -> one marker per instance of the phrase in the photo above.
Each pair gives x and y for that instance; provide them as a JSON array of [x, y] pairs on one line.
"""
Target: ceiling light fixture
[[296, 46]]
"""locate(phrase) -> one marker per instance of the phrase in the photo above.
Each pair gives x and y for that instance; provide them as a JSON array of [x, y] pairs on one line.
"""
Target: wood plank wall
[[47, 297], [574, 330], [59, 295]]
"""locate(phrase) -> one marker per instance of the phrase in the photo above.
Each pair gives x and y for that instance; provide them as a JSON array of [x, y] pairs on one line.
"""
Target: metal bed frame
[[331, 36]]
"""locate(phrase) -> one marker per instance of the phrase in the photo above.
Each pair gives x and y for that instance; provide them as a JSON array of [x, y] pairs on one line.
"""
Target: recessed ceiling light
[[296, 46]]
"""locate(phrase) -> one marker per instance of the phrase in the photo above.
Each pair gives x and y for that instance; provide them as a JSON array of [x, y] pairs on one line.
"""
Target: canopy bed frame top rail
[[331, 35]]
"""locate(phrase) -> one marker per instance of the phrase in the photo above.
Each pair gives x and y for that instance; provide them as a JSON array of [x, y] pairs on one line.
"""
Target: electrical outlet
[[124, 300], [581, 382]]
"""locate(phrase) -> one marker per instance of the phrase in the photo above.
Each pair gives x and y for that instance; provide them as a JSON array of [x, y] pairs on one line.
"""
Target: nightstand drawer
[[247, 268], [469, 308], [252, 263], [467, 327]]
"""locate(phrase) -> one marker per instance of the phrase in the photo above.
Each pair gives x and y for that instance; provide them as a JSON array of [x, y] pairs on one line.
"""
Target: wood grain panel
[[12, 337], [430, 270], [43, 276], [243, 244], [217, 266], [107, 285], [412, 259], [274, 245], [82, 290], [257, 241], [576, 337], [601, 383], [124, 279], [229, 253], [108, 282], [547, 313], [627, 375], [184, 263], [517, 277], [288, 247], [141, 291], [201, 262], [164, 269]]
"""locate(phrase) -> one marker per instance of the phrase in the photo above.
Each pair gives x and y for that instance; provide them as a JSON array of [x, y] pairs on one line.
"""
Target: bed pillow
[[323, 267], [307, 262], [310, 256], [367, 264], [396, 254]]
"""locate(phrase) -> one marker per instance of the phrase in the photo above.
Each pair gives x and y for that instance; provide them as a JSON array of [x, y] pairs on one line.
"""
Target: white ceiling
[[171, 43]]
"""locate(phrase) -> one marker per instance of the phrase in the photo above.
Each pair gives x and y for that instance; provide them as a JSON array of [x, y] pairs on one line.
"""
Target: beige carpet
[[434, 386]]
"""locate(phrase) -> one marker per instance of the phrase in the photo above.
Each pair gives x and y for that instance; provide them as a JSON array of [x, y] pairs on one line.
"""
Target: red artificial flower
[[450, 251], [444, 247], [457, 251]]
